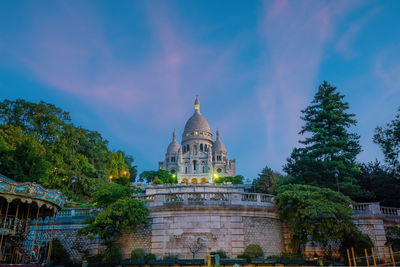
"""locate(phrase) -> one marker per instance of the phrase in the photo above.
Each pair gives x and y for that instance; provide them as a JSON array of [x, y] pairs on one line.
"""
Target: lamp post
[[336, 174], [74, 179]]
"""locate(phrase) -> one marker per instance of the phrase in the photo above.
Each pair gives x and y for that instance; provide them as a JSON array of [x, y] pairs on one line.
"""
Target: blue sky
[[131, 69]]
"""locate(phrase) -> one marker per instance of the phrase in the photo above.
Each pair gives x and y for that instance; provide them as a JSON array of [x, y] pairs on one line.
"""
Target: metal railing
[[71, 212]]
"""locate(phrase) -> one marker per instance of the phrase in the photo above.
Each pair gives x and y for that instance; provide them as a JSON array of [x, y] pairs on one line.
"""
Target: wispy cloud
[[344, 45], [295, 34]]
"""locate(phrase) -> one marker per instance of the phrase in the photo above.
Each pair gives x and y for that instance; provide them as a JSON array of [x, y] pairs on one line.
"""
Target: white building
[[200, 159]]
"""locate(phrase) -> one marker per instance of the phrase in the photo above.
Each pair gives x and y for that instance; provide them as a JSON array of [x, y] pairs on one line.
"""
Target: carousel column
[[51, 240], [34, 234], [4, 226]]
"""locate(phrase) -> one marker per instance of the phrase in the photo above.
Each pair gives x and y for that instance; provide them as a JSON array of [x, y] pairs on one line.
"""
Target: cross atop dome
[[197, 104]]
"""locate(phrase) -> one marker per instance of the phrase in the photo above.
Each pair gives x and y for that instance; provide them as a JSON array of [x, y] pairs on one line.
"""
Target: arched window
[[184, 180], [203, 180], [194, 181], [195, 150], [172, 171], [186, 169], [201, 147], [184, 149], [194, 165], [219, 170], [204, 169], [172, 159], [205, 147], [187, 148]]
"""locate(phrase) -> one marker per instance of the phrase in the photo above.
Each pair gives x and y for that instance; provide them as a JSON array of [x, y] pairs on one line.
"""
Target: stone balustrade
[[373, 208], [205, 198], [234, 198]]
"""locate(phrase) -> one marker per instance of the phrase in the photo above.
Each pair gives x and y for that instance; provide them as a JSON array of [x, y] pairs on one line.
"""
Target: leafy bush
[[59, 253], [150, 257], [221, 253], [393, 237], [138, 254], [112, 252], [252, 251]]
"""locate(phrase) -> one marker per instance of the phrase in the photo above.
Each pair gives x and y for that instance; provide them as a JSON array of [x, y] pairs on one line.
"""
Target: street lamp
[[336, 174], [74, 179]]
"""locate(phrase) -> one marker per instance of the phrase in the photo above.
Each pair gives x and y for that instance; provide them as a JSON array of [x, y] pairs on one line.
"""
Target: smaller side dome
[[174, 145], [218, 146]]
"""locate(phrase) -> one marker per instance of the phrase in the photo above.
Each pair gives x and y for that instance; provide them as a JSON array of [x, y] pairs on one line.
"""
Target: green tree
[[115, 211], [382, 184], [315, 214], [158, 177], [393, 237], [22, 157], [59, 254], [265, 181], [38, 143], [238, 179], [328, 144], [388, 138]]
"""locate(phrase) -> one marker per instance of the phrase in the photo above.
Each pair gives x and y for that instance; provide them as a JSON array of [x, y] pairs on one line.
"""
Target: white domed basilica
[[200, 159]]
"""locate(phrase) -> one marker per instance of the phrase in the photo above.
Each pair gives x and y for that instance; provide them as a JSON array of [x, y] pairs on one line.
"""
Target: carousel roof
[[30, 192]]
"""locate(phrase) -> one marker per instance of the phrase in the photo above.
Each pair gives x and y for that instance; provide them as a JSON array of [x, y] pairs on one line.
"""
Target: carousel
[[27, 216]]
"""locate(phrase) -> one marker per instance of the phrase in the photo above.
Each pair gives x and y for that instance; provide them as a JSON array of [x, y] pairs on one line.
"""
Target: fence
[[372, 258]]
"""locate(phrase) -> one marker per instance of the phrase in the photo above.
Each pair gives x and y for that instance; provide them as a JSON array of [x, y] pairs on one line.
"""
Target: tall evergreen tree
[[328, 145]]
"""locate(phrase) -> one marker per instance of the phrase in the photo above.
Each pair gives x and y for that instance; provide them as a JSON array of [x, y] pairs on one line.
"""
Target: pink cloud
[[79, 60]]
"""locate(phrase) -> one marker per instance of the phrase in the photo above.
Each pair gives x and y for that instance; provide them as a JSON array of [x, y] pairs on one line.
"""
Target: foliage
[[112, 251], [222, 254], [150, 257], [356, 240], [252, 251], [265, 181], [315, 214], [158, 177], [115, 212], [381, 183], [328, 144], [388, 138], [138, 254], [238, 179], [38, 143], [59, 254], [393, 237]]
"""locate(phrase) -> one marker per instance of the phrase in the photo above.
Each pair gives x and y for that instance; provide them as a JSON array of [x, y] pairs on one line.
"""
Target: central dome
[[197, 123], [197, 126]]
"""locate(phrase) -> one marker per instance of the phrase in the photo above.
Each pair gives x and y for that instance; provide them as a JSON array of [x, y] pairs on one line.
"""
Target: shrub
[[138, 254], [252, 251], [221, 253], [150, 257], [393, 237], [59, 253]]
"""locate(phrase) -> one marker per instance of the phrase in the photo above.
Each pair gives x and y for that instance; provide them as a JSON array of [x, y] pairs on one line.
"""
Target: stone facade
[[139, 239], [209, 217]]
